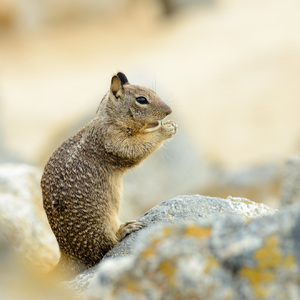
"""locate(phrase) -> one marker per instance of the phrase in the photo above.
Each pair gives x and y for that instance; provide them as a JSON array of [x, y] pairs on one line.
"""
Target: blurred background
[[229, 69]]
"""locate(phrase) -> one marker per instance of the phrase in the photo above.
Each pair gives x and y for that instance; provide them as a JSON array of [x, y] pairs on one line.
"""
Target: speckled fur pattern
[[82, 181]]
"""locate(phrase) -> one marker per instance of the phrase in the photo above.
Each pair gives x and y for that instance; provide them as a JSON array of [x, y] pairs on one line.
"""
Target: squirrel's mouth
[[153, 126]]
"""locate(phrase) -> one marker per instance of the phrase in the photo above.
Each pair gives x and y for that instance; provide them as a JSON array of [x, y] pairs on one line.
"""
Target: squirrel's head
[[136, 107]]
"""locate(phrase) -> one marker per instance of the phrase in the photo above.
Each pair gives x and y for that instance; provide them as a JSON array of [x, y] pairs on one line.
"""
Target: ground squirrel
[[81, 183]]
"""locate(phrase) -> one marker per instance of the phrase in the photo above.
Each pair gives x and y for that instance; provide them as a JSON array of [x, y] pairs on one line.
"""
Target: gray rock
[[23, 223], [171, 7], [223, 257], [36, 15], [28, 247], [175, 211], [192, 209], [290, 189], [259, 183]]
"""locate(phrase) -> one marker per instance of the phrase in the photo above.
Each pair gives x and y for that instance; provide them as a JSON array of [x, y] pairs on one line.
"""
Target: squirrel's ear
[[116, 87], [117, 83], [123, 78]]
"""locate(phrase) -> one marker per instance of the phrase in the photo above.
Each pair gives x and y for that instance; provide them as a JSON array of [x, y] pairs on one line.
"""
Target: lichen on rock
[[207, 250]]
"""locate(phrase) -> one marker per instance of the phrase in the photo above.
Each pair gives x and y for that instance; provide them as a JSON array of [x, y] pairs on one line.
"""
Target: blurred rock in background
[[290, 187], [260, 183], [171, 7], [23, 222], [5, 154], [34, 15], [2, 149]]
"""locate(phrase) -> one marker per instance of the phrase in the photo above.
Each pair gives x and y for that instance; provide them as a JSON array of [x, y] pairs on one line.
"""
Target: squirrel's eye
[[142, 100]]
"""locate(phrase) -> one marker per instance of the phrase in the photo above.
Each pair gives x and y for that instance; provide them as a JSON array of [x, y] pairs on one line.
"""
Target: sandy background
[[230, 71]]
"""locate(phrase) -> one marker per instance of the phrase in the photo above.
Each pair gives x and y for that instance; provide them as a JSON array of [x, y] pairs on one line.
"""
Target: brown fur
[[81, 183]]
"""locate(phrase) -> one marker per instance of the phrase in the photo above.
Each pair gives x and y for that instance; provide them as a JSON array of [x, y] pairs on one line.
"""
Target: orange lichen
[[197, 231], [148, 252], [157, 239], [211, 263], [166, 231], [170, 216], [257, 276], [289, 261], [168, 269], [131, 285], [268, 258]]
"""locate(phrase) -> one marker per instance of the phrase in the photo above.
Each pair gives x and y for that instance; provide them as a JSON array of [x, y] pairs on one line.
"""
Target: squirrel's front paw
[[128, 227], [170, 128]]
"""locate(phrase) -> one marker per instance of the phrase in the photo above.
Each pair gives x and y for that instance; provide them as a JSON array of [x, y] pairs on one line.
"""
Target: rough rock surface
[[173, 231], [193, 209], [290, 189], [224, 258], [23, 223]]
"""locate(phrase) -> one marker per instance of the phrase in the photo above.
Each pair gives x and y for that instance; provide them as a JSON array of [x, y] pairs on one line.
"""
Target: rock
[[222, 256], [23, 223], [28, 248], [192, 209], [170, 213], [258, 183], [290, 189], [171, 7], [35, 15]]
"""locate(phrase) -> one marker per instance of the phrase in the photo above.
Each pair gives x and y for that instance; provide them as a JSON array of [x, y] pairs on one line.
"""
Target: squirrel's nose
[[168, 110]]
